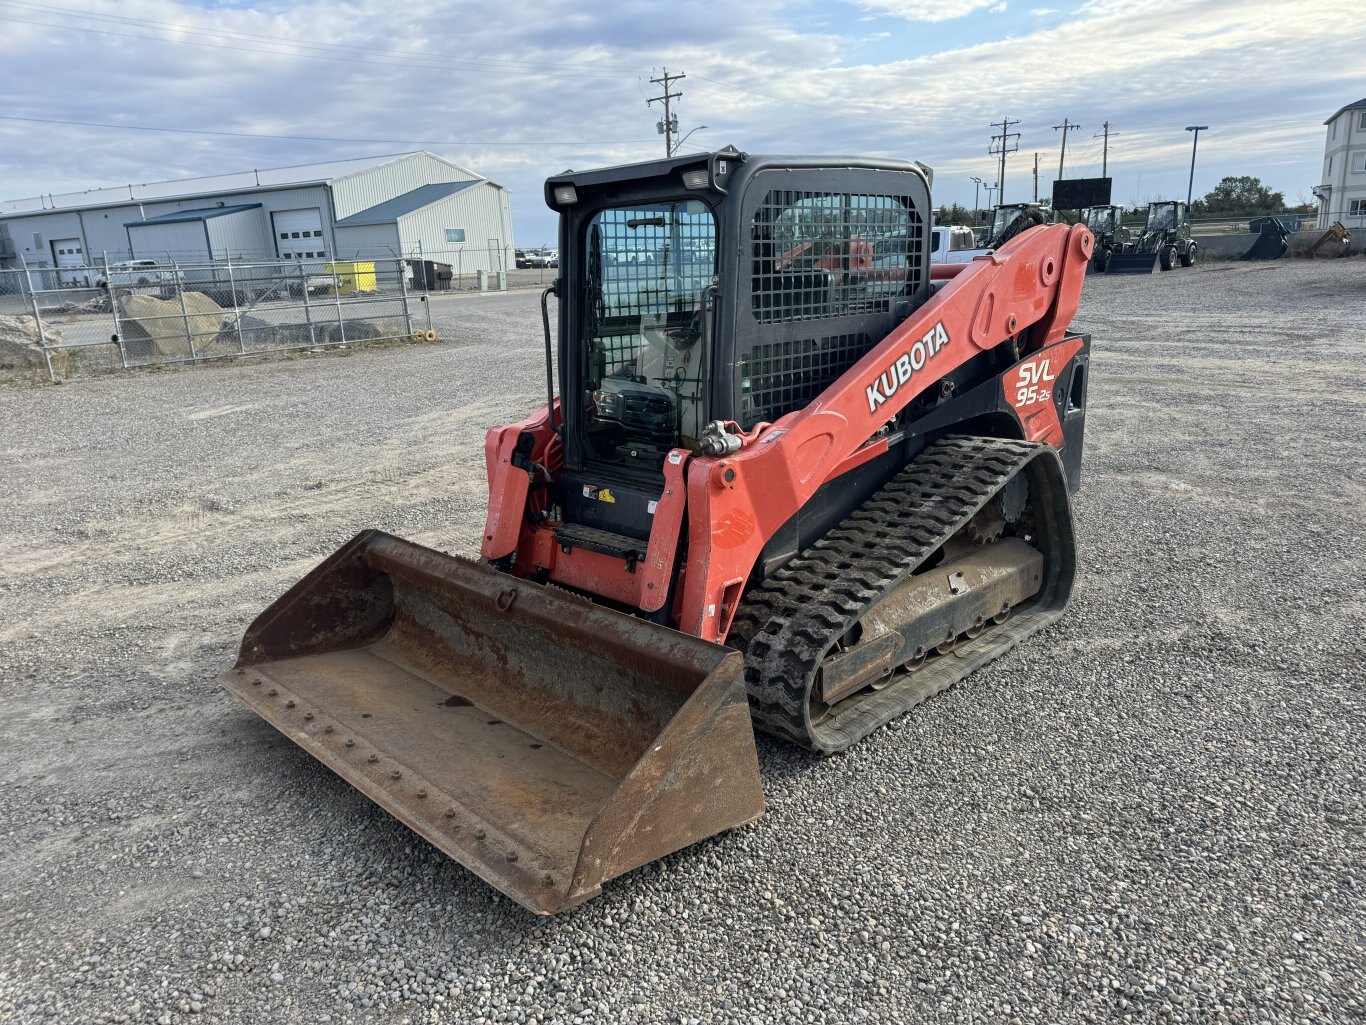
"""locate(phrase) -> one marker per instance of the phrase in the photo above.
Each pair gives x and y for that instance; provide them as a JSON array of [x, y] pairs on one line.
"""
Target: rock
[[158, 329]]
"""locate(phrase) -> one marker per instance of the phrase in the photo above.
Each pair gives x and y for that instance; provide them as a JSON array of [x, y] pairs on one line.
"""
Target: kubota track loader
[[779, 482]]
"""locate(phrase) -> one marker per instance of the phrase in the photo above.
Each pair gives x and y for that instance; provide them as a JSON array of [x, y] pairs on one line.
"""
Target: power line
[[669, 126], [1105, 152], [317, 138], [1004, 149], [1066, 126]]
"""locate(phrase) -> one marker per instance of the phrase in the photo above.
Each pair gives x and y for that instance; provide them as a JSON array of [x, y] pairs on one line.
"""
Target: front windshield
[[1100, 218], [648, 272], [1004, 215], [1161, 216]]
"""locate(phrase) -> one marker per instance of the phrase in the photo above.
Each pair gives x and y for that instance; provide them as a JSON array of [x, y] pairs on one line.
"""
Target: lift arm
[[736, 504]]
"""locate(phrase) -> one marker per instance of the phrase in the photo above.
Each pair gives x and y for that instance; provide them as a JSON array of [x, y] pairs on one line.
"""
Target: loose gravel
[[1152, 812]]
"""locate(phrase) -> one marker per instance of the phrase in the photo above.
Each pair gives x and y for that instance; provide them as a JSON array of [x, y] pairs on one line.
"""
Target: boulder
[[155, 330]]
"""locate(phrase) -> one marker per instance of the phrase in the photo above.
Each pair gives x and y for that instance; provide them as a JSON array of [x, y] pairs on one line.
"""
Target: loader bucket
[[1132, 263], [544, 742]]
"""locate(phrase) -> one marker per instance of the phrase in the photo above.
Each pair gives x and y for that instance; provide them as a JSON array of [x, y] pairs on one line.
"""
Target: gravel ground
[[1152, 812]]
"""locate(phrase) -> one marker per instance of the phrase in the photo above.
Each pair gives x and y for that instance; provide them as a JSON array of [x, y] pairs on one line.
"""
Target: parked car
[[543, 258], [522, 259]]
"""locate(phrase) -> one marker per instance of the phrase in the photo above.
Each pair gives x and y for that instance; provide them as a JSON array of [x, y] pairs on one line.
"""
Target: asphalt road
[[1151, 812]]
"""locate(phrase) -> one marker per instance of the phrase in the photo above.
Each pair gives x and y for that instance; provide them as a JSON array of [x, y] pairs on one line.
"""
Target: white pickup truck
[[139, 274], [954, 243]]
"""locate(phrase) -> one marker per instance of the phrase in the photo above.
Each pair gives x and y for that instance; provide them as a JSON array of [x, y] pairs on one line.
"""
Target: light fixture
[[565, 195], [699, 179]]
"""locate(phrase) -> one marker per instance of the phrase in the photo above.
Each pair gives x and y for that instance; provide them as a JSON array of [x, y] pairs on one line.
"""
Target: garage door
[[299, 234], [69, 253]]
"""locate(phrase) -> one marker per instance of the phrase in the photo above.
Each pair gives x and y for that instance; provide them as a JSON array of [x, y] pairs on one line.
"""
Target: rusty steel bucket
[[544, 742]]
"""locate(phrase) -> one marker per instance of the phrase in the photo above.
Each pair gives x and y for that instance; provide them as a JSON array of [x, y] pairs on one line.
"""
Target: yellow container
[[352, 277]]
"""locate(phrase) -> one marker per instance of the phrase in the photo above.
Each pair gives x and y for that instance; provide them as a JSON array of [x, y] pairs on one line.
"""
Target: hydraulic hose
[[549, 361]]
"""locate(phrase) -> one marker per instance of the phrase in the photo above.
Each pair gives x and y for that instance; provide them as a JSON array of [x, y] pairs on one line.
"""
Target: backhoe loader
[[774, 484]]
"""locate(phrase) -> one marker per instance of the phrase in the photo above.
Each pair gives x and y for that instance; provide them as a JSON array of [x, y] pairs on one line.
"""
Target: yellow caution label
[[605, 495]]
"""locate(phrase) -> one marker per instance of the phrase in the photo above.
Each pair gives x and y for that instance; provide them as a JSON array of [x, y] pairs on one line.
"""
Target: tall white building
[[1342, 196]]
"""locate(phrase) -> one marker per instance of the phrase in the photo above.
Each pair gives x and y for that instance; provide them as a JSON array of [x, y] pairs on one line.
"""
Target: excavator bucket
[[544, 742], [1132, 263]]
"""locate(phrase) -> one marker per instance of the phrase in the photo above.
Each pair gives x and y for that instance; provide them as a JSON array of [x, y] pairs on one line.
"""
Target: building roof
[[195, 215], [216, 184], [1350, 106], [392, 209]]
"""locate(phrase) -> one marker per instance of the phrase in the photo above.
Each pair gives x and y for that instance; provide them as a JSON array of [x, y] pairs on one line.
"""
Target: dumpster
[[430, 275], [353, 276]]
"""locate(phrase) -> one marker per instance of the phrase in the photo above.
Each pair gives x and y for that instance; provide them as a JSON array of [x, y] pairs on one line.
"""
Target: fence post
[[42, 332], [403, 290], [236, 312], [308, 311], [336, 294], [114, 311], [184, 313]]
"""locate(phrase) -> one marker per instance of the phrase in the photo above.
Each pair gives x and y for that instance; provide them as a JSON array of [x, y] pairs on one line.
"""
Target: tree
[[1242, 194], [956, 214]]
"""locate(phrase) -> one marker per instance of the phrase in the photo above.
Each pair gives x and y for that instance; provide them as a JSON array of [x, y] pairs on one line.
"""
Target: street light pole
[[976, 195], [1197, 129], [679, 144]]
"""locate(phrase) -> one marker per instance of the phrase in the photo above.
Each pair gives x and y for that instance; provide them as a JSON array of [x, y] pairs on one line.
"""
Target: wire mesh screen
[[832, 254], [784, 376], [820, 256], [652, 258]]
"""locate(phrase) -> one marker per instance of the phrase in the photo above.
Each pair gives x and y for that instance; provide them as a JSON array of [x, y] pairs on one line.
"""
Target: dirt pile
[[21, 350]]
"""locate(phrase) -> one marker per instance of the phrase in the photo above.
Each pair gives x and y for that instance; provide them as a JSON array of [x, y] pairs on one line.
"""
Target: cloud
[[928, 10], [1042, 12], [527, 89]]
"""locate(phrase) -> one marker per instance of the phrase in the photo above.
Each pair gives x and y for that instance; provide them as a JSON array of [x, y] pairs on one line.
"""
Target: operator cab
[[717, 289], [1165, 216], [1102, 220]]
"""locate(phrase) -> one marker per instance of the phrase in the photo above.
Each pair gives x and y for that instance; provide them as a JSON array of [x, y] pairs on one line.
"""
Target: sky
[[517, 90]]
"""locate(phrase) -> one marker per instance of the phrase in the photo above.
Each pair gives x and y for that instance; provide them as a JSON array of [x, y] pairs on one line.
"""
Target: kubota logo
[[896, 375]]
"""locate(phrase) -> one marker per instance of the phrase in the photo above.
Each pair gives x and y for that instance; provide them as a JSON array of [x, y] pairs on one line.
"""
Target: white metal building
[[406, 204], [1342, 196]]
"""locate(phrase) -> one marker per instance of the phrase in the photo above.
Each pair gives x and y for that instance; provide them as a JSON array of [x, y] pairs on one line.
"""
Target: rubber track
[[787, 624]]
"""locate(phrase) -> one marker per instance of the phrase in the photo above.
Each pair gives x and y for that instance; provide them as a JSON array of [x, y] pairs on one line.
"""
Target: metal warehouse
[[407, 204]]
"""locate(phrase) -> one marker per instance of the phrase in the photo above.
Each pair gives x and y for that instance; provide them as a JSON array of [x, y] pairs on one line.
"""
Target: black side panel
[[605, 501]]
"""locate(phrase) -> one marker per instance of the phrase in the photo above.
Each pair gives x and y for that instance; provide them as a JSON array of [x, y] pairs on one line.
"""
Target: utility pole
[[1105, 150], [669, 126], [976, 195], [1036, 177], [1066, 126], [1005, 147], [1197, 129]]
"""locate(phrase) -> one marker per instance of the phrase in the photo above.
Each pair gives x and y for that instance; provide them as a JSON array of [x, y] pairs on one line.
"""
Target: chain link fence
[[78, 321]]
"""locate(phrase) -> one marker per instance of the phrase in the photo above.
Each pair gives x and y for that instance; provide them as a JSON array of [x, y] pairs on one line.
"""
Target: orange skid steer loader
[[782, 483]]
